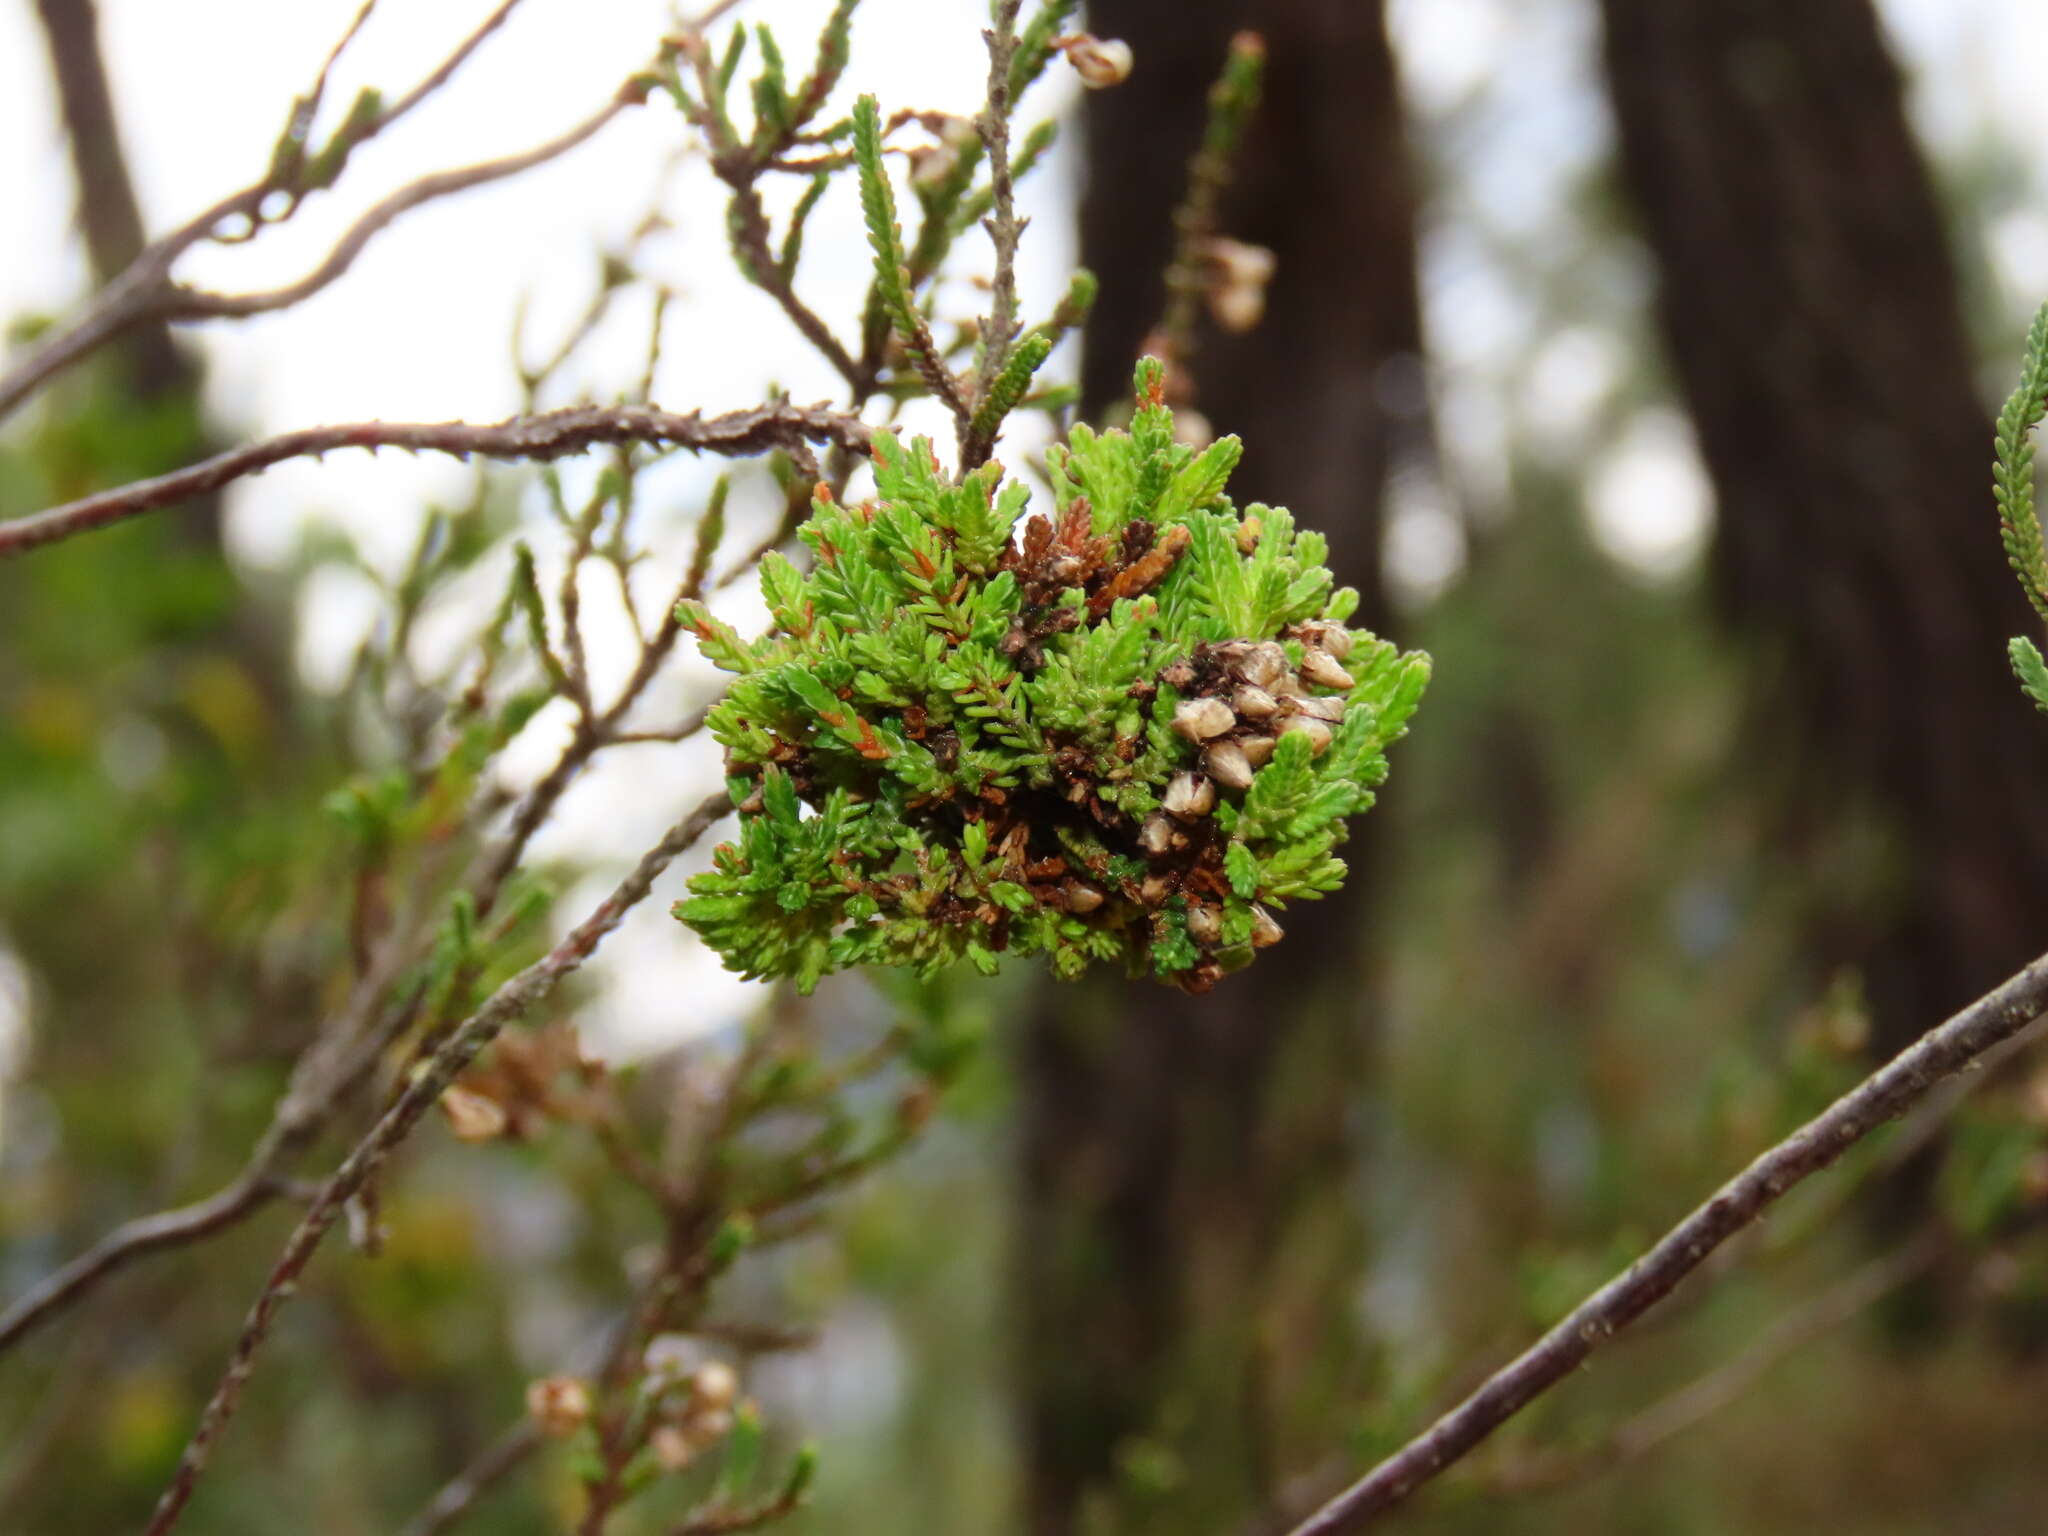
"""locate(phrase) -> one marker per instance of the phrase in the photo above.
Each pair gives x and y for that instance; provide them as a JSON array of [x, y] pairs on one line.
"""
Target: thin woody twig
[[509, 1002], [138, 294], [999, 326], [179, 303], [1956, 1046], [548, 436]]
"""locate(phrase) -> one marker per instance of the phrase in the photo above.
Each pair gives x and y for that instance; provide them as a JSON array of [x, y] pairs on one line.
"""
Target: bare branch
[[1908, 1078], [551, 435], [509, 1002], [999, 327]]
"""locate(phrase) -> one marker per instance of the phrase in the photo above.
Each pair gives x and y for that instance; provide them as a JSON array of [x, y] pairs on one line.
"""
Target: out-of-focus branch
[[549, 436], [1908, 1078], [144, 292], [523, 992], [498, 1460], [999, 327], [1679, 1411]]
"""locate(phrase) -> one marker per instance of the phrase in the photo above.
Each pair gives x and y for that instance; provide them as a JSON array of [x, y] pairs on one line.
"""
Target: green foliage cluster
[[1120, 733], [2019, 518]]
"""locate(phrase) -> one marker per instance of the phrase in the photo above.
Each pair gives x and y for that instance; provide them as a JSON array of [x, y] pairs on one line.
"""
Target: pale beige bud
[[472, 1116], [1238, 262], [932, 164], [1100, 61], [714, 1385], [1188, 796], [672, 1446], [1329, 708], [1318, 734], [1081, 896], [1265, 931], [1258, 750], [1247, 536], [1264, 664], [1154, 889], [1319, 666], [1237, 307], [1254, 703], [1229, 766], [558, 1405], [1156, 836], [1199, 719], [1205, 924], [1334, 638]]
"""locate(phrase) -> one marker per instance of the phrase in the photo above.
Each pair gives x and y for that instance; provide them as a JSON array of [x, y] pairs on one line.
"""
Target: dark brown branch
[[1880, 1098], [549, 436], [509, 1002]]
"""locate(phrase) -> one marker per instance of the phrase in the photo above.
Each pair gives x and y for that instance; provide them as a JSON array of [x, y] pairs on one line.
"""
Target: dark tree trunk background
[[1811, 310], [1189, 1250]]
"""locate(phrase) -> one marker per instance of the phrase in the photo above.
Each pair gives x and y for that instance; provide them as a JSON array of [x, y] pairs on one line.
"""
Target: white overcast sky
[[418, 329]]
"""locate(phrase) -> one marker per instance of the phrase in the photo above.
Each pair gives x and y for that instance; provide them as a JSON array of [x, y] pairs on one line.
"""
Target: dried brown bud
[[1258, 750], [1100, 61], [1188, 796], [1205, 924], [1081, 896], [1265, 931], [471, 1115], [1156, 836], [1154, 889], [916, 1106], [1318, 734], [1264, 665], [1247, 536], [1229, 765], [1254, 703], [558, 1405], [1319, 666], [1199, 719]]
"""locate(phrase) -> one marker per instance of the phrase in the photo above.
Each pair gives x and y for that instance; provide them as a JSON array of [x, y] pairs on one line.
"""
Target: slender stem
[[548, 436], [1909, 1077]]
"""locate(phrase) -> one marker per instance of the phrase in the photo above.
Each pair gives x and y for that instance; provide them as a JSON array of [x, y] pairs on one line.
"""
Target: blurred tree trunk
[[1811, 309], [1189, 1252]]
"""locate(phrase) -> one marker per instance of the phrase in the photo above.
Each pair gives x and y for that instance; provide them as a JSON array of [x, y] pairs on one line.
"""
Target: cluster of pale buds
[[698, 1419], [1100, 61], [558, 1405], [1268, 699]]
